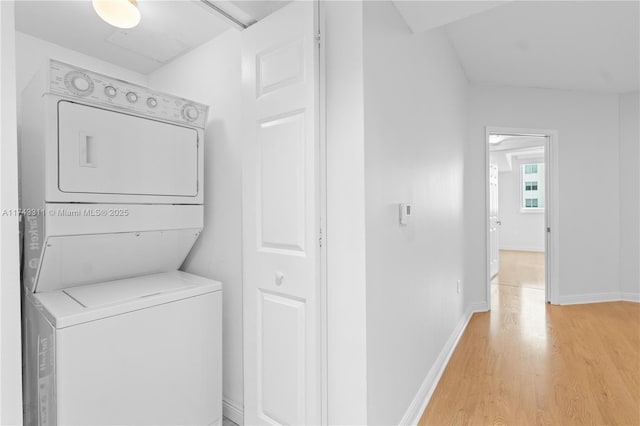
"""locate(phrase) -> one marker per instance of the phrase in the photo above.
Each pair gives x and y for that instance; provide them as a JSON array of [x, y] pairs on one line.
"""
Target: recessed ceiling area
[[511, 147], [518, 142], [504, 159], [167, 29], [573, 45]]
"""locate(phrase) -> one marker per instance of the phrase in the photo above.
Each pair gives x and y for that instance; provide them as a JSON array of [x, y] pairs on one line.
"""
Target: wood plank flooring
[[529, 363], [521, 269]]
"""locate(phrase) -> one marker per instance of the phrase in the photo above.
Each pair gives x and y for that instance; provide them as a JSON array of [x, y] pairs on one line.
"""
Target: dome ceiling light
[[119, 13]]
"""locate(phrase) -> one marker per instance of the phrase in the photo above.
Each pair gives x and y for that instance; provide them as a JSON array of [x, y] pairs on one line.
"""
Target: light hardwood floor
[[521, 269], [528, 363]]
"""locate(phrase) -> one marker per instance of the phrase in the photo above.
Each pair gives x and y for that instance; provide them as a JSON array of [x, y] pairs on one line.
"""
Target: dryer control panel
[[71, 81]]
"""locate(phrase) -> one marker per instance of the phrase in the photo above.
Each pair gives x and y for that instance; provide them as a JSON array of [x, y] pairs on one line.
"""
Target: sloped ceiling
[[167, 29], [576, 45], [580, 45], [426, 15], [572, 45], [259, 9]]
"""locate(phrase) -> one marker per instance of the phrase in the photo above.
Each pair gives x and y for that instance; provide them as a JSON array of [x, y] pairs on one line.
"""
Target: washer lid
[[122, 291], [80, 259], [77, 305]]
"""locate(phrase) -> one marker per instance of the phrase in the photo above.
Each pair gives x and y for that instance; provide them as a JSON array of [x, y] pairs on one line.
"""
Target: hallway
[[526, 362]]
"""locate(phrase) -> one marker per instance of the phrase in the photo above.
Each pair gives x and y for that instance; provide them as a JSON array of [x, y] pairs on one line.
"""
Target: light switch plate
[[405, 213]]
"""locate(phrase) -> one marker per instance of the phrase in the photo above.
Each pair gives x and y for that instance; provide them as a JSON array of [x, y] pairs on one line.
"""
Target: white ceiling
[[425, 15], [581, 45], [167, 30], [517, 147], [575, 45], [517, 143], [504, 159], [259, 9]]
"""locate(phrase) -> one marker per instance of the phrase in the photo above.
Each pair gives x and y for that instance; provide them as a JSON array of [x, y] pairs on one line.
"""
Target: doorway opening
[[520, 186]]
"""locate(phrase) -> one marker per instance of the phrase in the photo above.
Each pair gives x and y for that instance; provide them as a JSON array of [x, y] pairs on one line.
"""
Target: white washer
[[137, 351]]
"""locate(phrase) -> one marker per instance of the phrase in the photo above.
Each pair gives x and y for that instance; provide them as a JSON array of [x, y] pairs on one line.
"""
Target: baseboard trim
[[479, 307], [233, 412], [627, 296], [615, 296], [428, 386], [523, 248]]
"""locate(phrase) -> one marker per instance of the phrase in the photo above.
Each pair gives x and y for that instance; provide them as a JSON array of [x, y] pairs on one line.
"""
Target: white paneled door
[[494, 221], [282, 368]]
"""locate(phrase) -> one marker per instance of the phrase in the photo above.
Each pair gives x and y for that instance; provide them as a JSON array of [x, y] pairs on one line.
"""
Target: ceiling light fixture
[[119, 13]]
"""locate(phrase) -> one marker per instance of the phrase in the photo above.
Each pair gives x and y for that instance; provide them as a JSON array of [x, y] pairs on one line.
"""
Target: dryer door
[[107, 152]]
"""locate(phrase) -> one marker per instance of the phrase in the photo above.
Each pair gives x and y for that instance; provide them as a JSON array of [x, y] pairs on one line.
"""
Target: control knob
[[79, 83], [110, 91], [190, 112], [132, 97]]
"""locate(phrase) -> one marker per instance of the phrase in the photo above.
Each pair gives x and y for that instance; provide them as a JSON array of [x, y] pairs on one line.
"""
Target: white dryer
[[138, 351]]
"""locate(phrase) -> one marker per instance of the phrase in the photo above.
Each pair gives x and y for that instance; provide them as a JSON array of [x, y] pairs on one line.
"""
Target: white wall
[[346, 279], [629, 196], [10, 349], [32, 53], [519, 230], [211, 74], [588, 164], [415, 129]]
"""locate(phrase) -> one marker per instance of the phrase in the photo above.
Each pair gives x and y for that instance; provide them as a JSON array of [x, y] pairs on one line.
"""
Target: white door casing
[[494, 221], [551, 210], [282, 346]]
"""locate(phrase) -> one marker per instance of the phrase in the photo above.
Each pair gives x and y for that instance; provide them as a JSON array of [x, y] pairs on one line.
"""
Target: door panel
[[280, 219], [281, 359], [107, 152], [282, 177], [494, 222], [280, 67]]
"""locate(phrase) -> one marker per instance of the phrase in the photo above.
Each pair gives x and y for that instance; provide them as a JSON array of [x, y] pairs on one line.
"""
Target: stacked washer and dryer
[[112, 192]]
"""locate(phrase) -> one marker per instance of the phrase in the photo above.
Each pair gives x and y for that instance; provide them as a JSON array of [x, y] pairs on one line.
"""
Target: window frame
[[522, 188]]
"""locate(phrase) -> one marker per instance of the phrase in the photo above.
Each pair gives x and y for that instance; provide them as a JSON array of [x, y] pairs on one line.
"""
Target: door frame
[[10, 290], [321, 92], [551, 210]]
